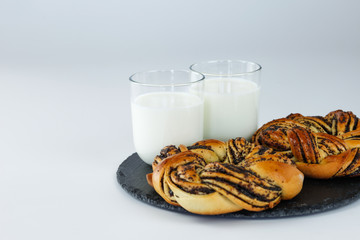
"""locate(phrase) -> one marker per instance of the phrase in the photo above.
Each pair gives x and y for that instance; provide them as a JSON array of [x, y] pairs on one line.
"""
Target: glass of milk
[[231, 98], [167, 107]]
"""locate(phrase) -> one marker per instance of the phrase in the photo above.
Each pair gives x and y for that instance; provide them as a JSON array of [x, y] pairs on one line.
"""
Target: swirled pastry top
[[322, 147], [214, 177]]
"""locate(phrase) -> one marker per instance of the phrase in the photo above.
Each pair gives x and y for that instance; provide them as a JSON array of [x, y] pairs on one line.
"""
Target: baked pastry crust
[[214, 177], [322, 147]]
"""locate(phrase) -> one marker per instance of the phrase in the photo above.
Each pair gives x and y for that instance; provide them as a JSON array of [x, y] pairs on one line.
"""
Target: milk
[[164, 118], [231, 108]]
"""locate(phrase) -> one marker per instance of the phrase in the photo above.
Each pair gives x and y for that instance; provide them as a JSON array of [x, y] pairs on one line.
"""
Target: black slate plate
[[316, 196]]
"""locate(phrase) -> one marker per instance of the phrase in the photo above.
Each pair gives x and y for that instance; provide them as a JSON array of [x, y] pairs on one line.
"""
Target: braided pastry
[[214, 177], [322, 147]]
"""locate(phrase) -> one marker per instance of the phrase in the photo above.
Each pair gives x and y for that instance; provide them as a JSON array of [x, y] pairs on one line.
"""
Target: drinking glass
[[231, 98], [167, 108]]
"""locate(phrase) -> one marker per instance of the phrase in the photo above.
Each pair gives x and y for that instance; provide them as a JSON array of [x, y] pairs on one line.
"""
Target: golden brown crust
[[149, 179], [214, 177], [345, 164], [211, 149], [319, 145], [352, 139], [284, 175], [163, 169]]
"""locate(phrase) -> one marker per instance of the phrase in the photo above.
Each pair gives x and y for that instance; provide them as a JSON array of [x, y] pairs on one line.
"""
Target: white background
[[64, 104]]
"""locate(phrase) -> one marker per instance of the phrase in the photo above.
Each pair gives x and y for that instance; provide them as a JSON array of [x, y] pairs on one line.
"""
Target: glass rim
[[201, 78], [258, 67]]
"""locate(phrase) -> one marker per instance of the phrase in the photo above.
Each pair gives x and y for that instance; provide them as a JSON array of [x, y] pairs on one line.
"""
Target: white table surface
[[65, 122]]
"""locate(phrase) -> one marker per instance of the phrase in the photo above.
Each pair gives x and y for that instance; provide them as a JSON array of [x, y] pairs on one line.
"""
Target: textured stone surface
[[316, 196]]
